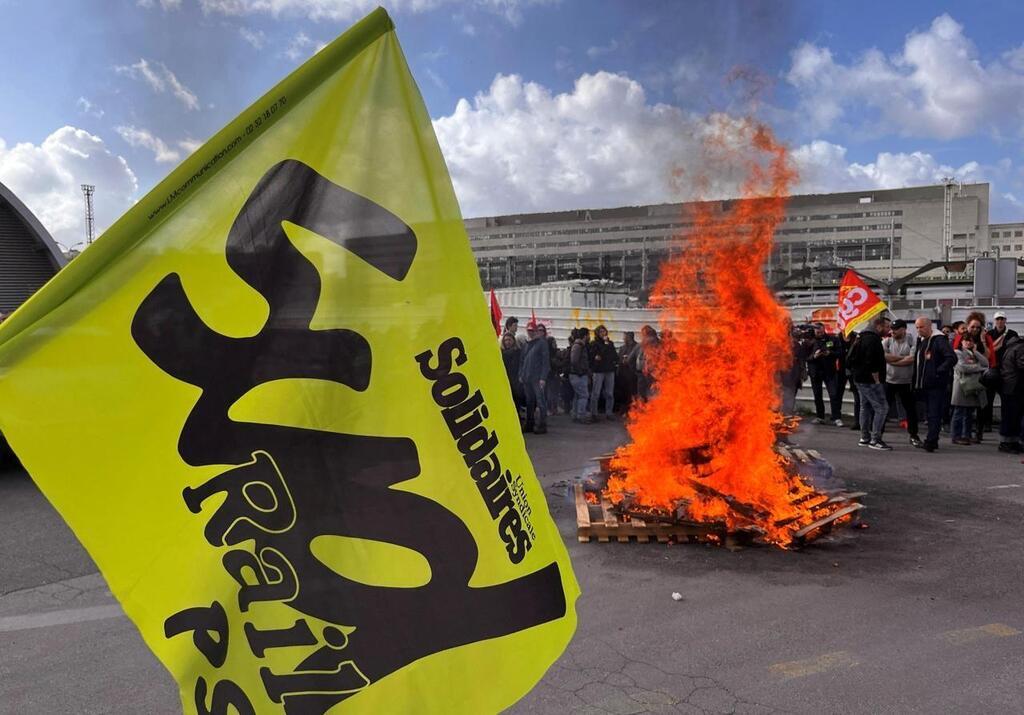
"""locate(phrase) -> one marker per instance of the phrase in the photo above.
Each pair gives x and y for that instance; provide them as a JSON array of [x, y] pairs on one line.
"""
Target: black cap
[[899, 323]]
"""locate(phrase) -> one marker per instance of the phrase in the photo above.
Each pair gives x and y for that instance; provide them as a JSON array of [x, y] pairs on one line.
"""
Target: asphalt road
[[922, 612]]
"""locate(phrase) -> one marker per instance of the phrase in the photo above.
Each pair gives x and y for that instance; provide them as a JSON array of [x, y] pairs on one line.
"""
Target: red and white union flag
[[857, 303]]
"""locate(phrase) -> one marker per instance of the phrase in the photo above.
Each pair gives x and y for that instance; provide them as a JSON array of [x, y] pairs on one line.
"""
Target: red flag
[[857, 303], [533, 317], [495, 314]]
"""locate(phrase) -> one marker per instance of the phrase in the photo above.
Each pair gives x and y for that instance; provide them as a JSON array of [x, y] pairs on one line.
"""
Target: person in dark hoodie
[[604, 359], [579, 376], [533, 373], [1011, 394], [511, 355], [866, 361], [934, 360]]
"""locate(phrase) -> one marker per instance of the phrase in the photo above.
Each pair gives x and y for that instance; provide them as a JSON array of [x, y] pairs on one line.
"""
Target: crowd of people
[[950, 377], [589, 378]]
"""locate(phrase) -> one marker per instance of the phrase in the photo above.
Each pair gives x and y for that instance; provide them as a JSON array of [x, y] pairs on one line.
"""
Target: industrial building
[[28, 255], [883, 232]]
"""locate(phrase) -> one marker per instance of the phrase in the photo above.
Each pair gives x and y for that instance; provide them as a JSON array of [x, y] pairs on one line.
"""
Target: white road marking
[[30, 621], [1005, 486]]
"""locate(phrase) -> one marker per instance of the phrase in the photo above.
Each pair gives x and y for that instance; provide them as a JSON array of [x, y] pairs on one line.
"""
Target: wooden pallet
[[598, 521]]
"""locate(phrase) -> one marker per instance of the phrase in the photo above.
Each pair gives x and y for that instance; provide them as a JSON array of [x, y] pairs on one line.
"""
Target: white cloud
[[301, 46], [165, 4], [601, 50], [189, 145], [345, 10], [48, 178], [436, 79], [824, 168], [143, 138], [936, 86], [518, 147], [161, 80], [87, 107], [256, 38]]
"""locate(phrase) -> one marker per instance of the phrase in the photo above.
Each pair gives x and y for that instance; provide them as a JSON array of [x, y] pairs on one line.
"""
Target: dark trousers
[[905, 395], [841, 390], [828, 381], [1009, 425], [985, 413], [935, 402], [856, 402]]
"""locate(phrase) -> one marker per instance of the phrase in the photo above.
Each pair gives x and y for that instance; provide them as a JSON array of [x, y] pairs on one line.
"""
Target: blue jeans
[[963, 421], [604, 383], [581, 395], [873, 409], [536, 400]]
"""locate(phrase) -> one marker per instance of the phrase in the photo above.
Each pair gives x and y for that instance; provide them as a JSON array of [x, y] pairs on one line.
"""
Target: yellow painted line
[[971, 635], [817, 664]]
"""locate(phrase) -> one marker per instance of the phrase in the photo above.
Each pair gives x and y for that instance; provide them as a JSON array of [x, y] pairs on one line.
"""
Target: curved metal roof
[[29, 256], [32, 223]]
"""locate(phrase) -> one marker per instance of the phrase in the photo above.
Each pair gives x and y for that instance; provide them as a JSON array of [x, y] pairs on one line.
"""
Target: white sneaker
[[817, 421], [838, 423]]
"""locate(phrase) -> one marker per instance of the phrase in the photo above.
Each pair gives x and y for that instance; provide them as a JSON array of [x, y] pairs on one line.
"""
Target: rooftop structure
[[866, 229], [28, 255]]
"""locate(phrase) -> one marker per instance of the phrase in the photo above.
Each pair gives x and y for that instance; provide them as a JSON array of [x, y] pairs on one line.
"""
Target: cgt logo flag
[[857, 303], [286, 437]]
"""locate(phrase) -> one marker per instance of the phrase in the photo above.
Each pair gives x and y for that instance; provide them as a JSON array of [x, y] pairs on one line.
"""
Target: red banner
[[857, 303], [495, 314]]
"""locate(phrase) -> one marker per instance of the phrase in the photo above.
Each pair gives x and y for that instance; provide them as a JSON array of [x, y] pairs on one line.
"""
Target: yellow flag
[[269, 403]]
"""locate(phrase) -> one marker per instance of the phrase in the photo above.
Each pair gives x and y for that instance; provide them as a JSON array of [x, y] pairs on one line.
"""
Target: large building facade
[[876, 231], [28, 255]]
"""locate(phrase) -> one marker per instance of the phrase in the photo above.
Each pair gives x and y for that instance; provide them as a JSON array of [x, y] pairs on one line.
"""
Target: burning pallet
[[597, 518]]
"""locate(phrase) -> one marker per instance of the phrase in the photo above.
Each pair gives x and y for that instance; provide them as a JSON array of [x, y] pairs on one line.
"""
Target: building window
[[1018, 234], [1006, 247], [1018, 247]]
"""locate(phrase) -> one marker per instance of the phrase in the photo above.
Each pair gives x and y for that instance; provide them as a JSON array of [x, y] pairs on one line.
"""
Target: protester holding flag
[[933, 364], [867, 362]]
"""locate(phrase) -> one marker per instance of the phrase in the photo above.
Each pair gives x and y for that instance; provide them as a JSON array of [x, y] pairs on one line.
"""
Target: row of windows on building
[[1006, 234], [689, 224], [835, 217], [638, 269], [633, 239]]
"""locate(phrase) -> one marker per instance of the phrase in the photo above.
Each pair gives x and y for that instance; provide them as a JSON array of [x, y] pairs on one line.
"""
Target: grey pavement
[[921, 612]]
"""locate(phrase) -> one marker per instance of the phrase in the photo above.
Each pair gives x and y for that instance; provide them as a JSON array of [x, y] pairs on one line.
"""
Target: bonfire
[[704, 449]]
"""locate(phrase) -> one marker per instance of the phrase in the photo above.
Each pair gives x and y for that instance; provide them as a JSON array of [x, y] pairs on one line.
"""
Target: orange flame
[[706, 438]]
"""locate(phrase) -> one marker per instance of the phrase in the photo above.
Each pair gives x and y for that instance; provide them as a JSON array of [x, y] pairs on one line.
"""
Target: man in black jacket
[[822, 367], [866, 360], [1011, 394], [934, 360]]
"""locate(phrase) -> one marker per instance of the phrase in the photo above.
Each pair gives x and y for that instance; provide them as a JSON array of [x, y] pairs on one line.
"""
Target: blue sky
[[538, 104]]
